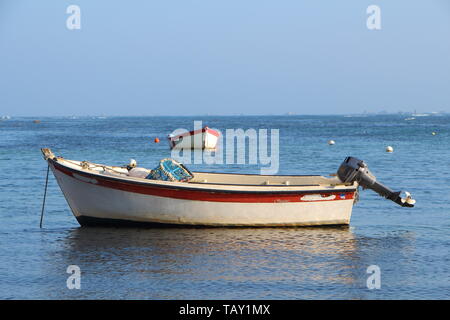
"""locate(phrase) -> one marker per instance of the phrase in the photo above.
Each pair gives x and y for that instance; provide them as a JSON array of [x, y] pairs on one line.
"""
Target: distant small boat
[[109, 195], [415, 114], [409, 119], [205, 138]]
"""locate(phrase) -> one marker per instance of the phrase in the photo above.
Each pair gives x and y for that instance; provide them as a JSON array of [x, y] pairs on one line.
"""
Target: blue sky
[[184, 57]]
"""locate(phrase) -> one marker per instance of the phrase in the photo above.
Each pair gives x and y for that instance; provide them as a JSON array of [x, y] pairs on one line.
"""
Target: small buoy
[[156, 140], [36, 121], [433, 133], [389, 149], [331, 142]]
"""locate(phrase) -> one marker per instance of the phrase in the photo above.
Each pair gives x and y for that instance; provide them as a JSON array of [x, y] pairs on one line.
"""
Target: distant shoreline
[[424, 114]]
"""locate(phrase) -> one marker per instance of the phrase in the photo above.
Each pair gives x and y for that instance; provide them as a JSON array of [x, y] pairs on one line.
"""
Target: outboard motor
[[353, 169]]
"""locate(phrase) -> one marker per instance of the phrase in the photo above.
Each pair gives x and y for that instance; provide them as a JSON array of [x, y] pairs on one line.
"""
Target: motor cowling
[[353, 169]]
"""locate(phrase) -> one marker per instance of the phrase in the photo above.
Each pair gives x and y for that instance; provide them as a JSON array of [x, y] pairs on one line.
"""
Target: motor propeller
[[353, 169]]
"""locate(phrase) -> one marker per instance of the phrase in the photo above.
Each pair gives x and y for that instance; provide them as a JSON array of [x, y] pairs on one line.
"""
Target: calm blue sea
[[410, 246]]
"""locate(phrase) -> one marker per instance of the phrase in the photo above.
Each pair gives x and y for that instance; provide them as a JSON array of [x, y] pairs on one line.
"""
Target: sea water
[[410, 246]]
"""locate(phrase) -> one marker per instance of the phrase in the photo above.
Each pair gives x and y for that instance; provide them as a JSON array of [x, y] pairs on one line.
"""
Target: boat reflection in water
[[211, 263]]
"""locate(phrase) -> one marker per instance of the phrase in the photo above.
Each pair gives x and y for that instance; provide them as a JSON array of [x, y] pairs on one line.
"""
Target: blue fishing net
[[170, 170]]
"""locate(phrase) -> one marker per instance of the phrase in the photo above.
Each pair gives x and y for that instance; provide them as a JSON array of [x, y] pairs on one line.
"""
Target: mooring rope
[[45, 195]]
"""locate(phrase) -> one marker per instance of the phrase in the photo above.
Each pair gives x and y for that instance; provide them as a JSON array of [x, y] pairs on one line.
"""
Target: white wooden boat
[[108, 195], [205, 138]]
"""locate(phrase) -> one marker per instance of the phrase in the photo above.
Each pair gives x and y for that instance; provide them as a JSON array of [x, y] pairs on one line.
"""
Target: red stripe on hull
[[193, 132], [201, 195]]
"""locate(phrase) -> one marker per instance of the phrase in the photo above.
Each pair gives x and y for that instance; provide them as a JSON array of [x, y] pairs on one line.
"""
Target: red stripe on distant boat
[[200, 195], [191, 133]]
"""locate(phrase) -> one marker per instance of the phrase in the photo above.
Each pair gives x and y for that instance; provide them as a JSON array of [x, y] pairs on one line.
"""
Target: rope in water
[[45, 195]]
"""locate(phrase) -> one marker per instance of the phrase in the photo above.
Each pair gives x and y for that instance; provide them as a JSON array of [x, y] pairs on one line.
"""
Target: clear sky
[[183, 57]]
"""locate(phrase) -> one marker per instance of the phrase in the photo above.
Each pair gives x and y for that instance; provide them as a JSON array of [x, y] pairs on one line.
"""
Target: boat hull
[[205, 138], [97, 202]]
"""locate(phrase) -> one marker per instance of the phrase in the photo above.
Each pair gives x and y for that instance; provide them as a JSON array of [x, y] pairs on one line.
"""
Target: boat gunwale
[[156, 183], [255, 185]]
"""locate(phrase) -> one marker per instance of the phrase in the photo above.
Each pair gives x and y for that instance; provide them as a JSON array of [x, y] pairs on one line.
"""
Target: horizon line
[[287, 114]]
